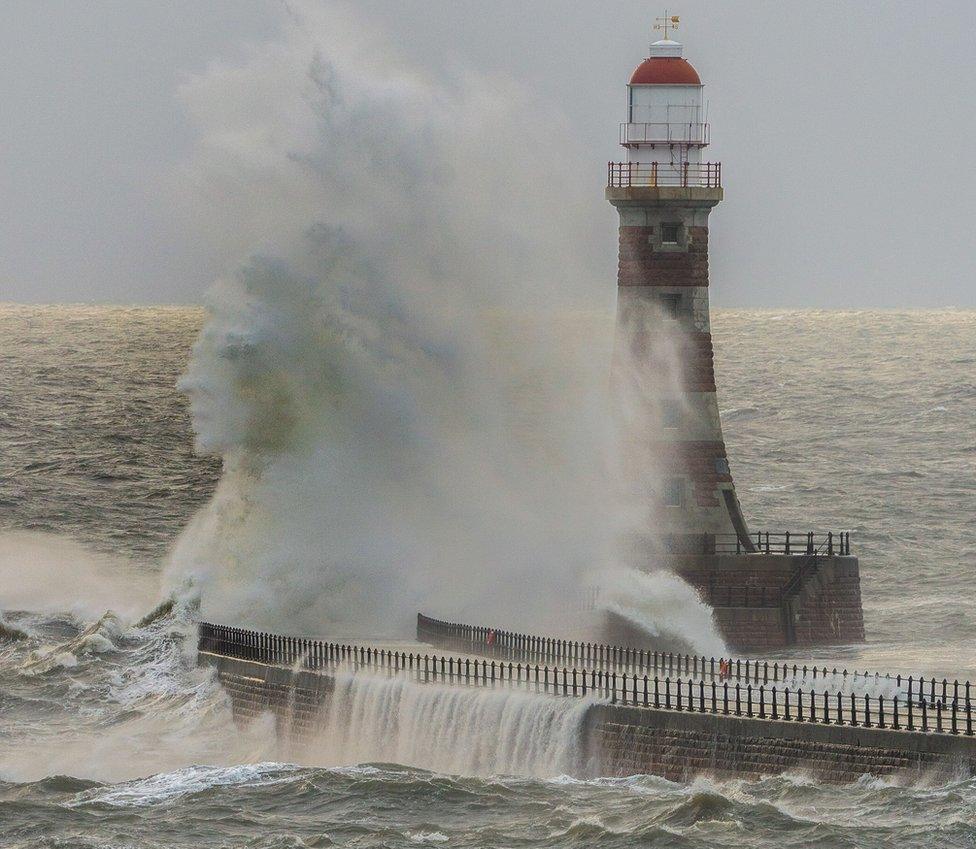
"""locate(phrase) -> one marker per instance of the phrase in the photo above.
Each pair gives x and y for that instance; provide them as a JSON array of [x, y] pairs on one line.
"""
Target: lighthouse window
[[670, 233], [670, 304], [673, 492]]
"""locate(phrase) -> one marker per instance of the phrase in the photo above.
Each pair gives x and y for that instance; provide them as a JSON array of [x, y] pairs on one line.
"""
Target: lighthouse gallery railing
[[653, 174]]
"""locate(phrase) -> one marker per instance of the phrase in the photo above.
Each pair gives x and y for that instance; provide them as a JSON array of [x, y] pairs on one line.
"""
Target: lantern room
[[665, 110]]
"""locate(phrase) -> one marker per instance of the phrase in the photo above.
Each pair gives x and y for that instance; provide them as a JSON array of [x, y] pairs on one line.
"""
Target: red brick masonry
[[640, 264], [826, 611]]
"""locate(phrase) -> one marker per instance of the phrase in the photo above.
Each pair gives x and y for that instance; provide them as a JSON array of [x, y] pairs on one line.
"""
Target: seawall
[[295, 697], [679, 745], [624, 740]]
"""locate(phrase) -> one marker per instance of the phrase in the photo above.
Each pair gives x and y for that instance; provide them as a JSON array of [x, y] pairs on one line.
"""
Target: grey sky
[[842, 129]]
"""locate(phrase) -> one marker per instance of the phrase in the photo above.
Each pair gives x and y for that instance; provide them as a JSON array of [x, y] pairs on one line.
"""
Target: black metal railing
[[661, 692], [653, 174], [492, 642], [828, 544]]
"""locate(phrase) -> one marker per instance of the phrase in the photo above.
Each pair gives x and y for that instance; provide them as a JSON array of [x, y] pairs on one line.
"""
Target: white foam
[[167, 786], [427, 837]]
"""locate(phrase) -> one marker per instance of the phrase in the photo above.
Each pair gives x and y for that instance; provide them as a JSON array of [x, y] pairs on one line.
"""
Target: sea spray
[[405, 408], [407, 381], [663, 607], [53, 573], [451, 729]]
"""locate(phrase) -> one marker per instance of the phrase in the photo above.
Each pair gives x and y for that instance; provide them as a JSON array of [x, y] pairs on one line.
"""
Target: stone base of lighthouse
[[763, 601], [747, 594]]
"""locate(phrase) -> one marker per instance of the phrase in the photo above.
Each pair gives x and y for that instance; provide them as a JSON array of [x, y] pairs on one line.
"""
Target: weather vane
[[666, 23]]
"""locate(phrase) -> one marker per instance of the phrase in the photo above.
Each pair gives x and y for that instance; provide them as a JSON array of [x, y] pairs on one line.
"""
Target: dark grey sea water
[[109, 737]]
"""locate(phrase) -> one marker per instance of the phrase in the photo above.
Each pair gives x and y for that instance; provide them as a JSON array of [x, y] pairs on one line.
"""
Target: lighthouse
[[767, 589], [663, 189]]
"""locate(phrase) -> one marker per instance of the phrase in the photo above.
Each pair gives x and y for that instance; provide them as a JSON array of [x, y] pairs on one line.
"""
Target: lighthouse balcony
[[654, 174], [667, 133]]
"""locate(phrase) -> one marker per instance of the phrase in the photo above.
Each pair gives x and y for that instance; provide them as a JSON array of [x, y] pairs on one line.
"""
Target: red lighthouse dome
[[665, 70], [664, 66]]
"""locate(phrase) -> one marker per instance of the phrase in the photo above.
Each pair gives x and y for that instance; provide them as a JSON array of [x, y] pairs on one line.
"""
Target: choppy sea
[[110, 737]]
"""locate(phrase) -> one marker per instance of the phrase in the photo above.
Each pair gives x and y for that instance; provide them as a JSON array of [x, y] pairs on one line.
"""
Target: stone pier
[[625, 730]]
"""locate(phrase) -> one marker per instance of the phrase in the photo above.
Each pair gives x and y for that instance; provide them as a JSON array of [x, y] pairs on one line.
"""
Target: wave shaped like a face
[[406, 380]]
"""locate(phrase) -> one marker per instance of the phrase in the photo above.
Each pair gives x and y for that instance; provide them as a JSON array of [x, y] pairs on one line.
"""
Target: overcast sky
[[843, 129]]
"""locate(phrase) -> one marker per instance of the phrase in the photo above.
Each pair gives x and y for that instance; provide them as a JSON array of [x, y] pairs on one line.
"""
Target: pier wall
[[630, 741], [294, 697], [623, 740]]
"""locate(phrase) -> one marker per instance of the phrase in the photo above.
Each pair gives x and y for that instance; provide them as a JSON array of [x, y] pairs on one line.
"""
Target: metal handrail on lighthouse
[[652, 174]]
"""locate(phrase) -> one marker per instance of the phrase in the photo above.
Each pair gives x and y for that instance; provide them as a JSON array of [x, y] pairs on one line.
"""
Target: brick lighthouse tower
[[664, 192], [767, 589]]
